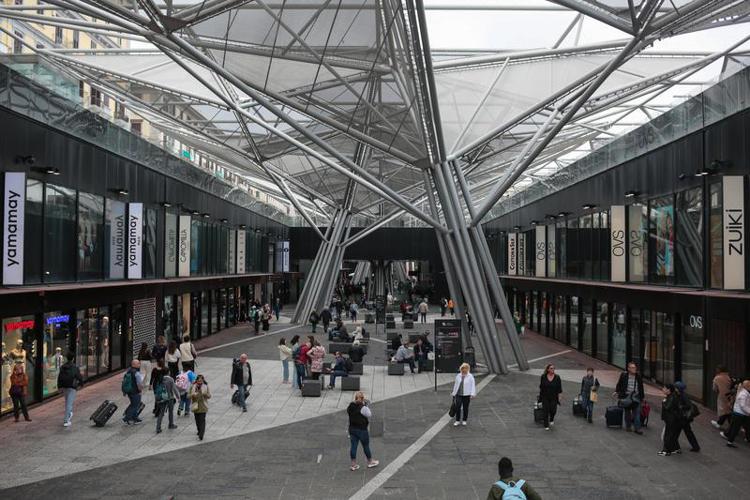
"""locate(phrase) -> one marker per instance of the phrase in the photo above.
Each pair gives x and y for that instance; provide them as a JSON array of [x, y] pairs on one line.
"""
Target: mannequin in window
[[18, 354]]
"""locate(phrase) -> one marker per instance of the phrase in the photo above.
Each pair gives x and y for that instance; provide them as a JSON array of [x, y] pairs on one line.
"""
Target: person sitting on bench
[[396, 342], [405, 355], [339, 331], [356, 353], [338, 369], [420, 352], [358, 335]]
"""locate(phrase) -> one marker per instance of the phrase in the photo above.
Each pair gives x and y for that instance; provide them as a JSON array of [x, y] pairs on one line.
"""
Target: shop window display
[[716, 236], [92, 342], [56, 342], [619, 336], [602, 331], [661, 240], [692, 354], [574, 321], [18, 348], [60, 230], [587, 325], [90, 236]]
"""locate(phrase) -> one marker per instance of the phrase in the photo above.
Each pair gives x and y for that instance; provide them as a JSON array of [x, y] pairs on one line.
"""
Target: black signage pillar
[[448, 347]]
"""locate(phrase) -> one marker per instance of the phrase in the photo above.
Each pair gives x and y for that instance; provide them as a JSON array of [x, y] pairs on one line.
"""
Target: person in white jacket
[[285, 354], [187, 354], [464, 390], [740, 415]]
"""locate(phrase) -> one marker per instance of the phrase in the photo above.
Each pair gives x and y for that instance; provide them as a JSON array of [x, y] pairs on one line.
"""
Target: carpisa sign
[[14, 203], [135, 240]]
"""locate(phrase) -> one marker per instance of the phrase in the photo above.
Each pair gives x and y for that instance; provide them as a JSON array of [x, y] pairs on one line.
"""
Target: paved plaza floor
[[289, 447]]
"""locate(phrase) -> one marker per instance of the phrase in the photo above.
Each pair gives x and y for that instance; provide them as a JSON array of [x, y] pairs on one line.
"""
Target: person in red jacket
[[304, 359]]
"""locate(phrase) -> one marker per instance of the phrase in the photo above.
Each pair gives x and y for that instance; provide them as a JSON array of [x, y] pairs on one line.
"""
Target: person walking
[[359, 420], [19, 389], [277, 308], [443, 306], [285, 354], [183, 386], [630, 394], [166, 403], [265, 317], [172, 357], [157, 374], [69, 380], [145, 357], [589, 387], [256, 319], [510, 483], [451, 306], [722, 386], [670, 414], [242, 377], [187, 354], [740, 415], [423, 308], [199, 396], [314, 320], [464, 390], [325, 318], [132, 387], [686, 416], [160, 349], [353, 310], [316, 355], [550, 394]]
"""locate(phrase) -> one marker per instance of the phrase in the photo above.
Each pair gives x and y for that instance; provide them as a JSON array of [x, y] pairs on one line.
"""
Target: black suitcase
[[538, 413], [102, 414], [613, 416], [236, 396], [578, 409]]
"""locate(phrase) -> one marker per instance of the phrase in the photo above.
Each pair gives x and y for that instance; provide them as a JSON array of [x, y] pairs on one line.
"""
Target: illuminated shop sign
[[19, 325], [54, 320]]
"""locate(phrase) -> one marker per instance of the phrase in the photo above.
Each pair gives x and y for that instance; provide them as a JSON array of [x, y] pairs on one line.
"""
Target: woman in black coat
[[670, 414], [550, 392]]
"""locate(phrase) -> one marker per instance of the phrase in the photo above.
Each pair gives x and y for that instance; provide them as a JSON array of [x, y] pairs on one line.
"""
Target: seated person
[[420, 352], [358, 336], [338, 369], [396, 342], [356, 353], [405, 355]]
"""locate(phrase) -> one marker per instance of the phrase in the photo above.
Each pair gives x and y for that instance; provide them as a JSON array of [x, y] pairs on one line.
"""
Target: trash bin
[[469, 357]]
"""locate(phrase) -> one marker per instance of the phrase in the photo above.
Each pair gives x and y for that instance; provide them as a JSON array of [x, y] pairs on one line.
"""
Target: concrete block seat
[[342, 347], [350, 383], [395, 369], [312, 388], [357, 369]]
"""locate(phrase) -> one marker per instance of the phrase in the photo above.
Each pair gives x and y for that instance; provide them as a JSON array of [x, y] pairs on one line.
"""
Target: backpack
[[512, 491], [182, 382], [689, 411], [129, 385], [160, 393]]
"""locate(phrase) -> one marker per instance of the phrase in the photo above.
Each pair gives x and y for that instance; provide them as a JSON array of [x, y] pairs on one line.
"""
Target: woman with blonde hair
[[359, 420], [464, 390]]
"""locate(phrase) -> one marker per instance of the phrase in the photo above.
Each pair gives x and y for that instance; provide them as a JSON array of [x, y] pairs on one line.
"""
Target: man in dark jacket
[[630, 385], [160, 349], [242, 377], [325, 318], [69, 380], [356, 353], [508, 480]]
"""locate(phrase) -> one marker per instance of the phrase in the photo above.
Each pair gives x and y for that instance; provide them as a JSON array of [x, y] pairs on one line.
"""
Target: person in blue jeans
[[338, 369], [589, 385], [359, 420], [131, 412]]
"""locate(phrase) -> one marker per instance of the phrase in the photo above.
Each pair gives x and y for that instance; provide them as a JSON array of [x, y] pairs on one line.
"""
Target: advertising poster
[[183, 247], [512, 254], [241, 236], [664, 226], [617, 248], [231, 255], [734, 232], [637, 249], [521, 259], [14, 204], [135, 241], [540, 252], [170, 245], [551, 246], [117, 238]]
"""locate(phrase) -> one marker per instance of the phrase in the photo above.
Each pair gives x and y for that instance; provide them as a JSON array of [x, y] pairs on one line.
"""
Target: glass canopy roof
[[332, 103]]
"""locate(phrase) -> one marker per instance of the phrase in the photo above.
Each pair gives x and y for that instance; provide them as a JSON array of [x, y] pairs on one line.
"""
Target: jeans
[[297, 376], [423, 317], [588, 406], [184, 403], [131, 412], [200, 424], [285, 366], [410, 362], [314, 326], [70, 398], [166, 406], [633, 417], [462, 407], [337, 373], [19, 406], [241, 389], [357, 436]]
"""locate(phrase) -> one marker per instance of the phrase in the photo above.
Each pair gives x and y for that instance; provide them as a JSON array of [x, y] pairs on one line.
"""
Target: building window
[[715, 234], [96, 97], [58, 35], [90, 236], [17, 44], [619, 339], [135, 127], [19, 338], [57, 339], [33, 232], [59, 233], [693, 341], [80, 89], [689, 237], [76, 39], [661, 240], [93, 45]]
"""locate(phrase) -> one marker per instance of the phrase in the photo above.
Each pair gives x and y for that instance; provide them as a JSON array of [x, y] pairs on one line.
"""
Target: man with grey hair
[[242, 377]]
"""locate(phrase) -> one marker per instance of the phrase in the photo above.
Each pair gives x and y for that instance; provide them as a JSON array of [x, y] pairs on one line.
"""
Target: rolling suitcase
[[102, 414], [311, 388], [236, 396], [578, 409], [538, 413], [613, 416]]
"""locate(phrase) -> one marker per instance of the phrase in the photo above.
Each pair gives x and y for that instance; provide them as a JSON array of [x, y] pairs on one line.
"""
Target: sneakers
[[664, 453], [639, 432], [731, 444], [551, 423], [244, 410], [158, 431], [723, 435], [172, 427], [179, 412], [372, 464], [66, 424], [354, 467], [463, 423], [546, 428], [715, 424], [456, 423]]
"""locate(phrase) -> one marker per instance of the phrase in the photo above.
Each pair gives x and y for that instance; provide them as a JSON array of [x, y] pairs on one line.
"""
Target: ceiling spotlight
[[563, 214], [195, 212], [166, 204], [206, 215], [682, 176], [242, 226], [550, 216], [533, 223], [258, 231], [704, 172], [516, 227], [631, 194], [224, 221], [589, 206], [121, 191], [52, 171]]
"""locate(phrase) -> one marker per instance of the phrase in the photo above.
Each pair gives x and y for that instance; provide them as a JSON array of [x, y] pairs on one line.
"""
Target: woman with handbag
[[464, 390], [589, 395], [19, 386], [550, 392], [199, 396]]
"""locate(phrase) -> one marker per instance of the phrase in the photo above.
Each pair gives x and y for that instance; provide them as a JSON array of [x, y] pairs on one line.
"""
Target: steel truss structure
[[341, 107]]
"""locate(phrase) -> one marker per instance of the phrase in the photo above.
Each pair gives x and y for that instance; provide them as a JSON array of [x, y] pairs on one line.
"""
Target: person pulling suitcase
[[132, 387]]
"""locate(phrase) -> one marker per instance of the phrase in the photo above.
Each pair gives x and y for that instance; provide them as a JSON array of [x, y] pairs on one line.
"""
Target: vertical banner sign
[[512, 254], [521, 259], [551, 261], [540, 252], [241, 235], [117, 238], [183, 246], [617, 243], [135, 241], [278, 260], [285, 257], [636, 242], [14, 204], [448, 352], [231, 260], [734, 232], [170, 245]]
